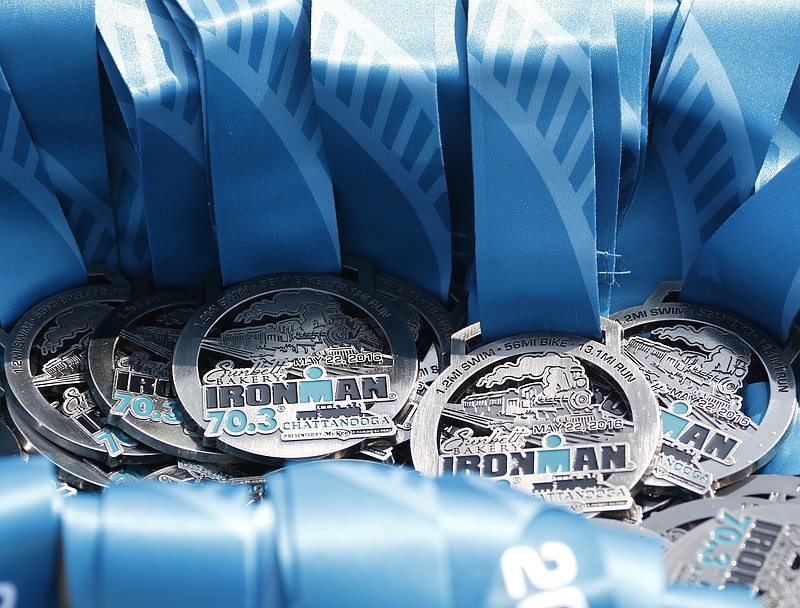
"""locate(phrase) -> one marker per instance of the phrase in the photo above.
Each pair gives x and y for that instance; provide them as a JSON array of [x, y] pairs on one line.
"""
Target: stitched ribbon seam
[[533, 163]]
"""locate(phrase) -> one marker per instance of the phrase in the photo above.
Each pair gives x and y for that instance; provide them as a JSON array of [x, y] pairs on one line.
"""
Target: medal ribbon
[[272, 194], [715, 107], [29, 527], [375, 79], [785, 145], [38, 251], [124, 174], [48, 50], [534, 170], [314, 542], [150, 66]]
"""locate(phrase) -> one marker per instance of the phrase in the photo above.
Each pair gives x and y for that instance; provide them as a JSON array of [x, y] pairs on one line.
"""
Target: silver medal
[[674, 522], [757, 547], [130, 367], [295, 366], [46, 375], [700, 362], [80, 473], [561, 417]]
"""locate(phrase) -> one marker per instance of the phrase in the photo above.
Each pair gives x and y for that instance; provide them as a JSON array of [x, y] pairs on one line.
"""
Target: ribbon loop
[[149, 64], [38, 252], [49, 55], [534, 170], [273, 198], [375, 79], [713, 119]]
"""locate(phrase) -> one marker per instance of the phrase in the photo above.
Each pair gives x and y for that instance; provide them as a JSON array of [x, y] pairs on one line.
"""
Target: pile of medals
[[649, 427]]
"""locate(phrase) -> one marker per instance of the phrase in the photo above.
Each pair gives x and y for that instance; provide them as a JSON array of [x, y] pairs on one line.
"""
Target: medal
[[701, 362], [564, 418], [78, 472], [294, 366], [46, 375], [756, 547], [674, 522], [130, 364]]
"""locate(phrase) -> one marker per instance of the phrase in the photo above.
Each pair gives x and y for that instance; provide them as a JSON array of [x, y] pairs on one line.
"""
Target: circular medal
[[561, 417], [46, 374], [757, 547], [294, 366], [77, 472], [674, 522], [726, 391], [130, 367]]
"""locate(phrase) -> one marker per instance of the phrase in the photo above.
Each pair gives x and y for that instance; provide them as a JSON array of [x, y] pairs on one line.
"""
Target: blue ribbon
[[350, 534], [49, 54], [715, 107], [29, 529], [533, 164], [273, 200], [38, 252], [751, 265], [150, 66], [785, 144], [125, 180], [607, 116], [375, 68], [634, 31]]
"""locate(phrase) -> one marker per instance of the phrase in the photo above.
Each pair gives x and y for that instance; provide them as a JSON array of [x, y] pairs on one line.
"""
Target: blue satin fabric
[[375, 68], [49, 55], [751, 265], [272, 195], [715, 107], [166, 545], [29, 531], [452, 88], [533, 165], [151, 68], [634, 32], [785, 144], [607, 116], [350, 534], [38, 251], [125, 180]]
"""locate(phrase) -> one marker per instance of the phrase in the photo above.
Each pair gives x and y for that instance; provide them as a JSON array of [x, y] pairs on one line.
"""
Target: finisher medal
[[727, 392], [78, 472], [560, 417], [757, 547], [294, 366], [46, 373], [130, 365]]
